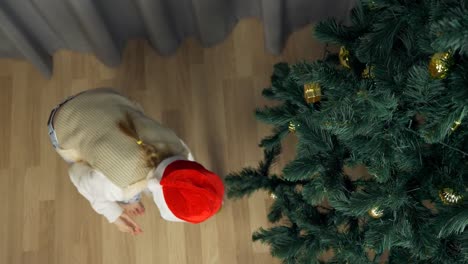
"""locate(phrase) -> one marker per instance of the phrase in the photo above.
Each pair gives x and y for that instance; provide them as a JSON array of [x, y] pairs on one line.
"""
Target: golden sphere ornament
[[455, 125], [344, 57], [375, 212], [312, 92], [440, 64], [368, 72], [449, 197], [362, 93], [292, 127]]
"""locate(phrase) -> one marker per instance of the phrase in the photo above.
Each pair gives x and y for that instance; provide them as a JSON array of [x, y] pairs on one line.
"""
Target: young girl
[[115, 153]]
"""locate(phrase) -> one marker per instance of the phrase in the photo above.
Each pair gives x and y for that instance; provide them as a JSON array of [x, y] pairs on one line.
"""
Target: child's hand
[[134, 209], [126, 224]]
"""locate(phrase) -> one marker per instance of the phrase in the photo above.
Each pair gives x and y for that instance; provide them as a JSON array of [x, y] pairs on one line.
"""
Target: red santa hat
[[185, 191]]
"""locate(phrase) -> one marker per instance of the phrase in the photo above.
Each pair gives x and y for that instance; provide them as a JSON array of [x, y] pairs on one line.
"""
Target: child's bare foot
[[134, 209]]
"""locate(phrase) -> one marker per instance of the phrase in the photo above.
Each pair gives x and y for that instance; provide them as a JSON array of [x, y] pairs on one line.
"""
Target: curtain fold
[[95, 30], [35, 29], [160, 27], [22, 44], [273, 14]]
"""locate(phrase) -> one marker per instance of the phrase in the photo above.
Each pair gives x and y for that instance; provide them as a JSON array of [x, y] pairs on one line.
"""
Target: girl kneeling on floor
[[116, 152]]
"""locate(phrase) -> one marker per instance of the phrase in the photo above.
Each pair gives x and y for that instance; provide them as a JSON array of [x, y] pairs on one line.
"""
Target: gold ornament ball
[[273, 196], [375, 212], [312, 92], [368, 72], [440, 64], [455, 125], [292, 127], [344, 57], [449, 197], [362, 93]]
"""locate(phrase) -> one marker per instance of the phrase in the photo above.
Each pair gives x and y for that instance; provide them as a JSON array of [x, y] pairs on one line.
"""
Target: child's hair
[[152, 155]]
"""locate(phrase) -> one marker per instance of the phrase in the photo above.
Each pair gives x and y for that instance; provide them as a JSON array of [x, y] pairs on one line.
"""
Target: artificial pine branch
[[404, 121]]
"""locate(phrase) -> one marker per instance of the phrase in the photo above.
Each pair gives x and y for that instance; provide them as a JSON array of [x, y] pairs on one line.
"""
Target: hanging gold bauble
[[344, 57], [362, 93], [312, 92], [368, 72], [449, 197], [455, 125], [343, 228], [292, 127], [375, 212], [440, 64]]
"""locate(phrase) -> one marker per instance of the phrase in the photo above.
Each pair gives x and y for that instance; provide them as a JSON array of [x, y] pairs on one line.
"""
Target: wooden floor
[[206, 95]]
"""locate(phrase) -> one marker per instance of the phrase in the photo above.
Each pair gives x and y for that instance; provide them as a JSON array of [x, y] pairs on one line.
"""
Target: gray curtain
[[35, 29]]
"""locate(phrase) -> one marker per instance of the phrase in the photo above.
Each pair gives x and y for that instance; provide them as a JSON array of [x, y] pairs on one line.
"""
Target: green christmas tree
[[381, 166]]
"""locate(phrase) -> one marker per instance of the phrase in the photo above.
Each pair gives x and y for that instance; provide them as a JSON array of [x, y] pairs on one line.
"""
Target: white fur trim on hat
[[157, 190]]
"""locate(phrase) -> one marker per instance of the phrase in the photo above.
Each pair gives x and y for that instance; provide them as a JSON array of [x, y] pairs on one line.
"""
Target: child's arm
[[97, 189], [93, 188]]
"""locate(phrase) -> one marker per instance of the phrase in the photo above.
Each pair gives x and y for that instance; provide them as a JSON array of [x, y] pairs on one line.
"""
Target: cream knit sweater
[[88, 125]]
